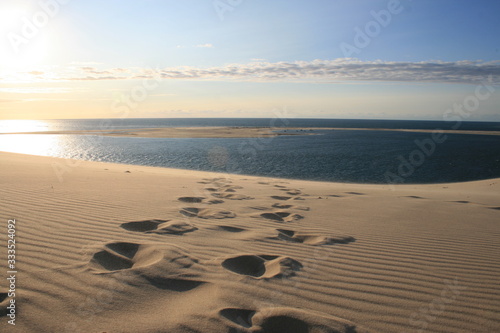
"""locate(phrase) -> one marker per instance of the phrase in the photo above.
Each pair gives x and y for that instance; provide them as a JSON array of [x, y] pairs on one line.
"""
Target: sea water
[[367, 156]]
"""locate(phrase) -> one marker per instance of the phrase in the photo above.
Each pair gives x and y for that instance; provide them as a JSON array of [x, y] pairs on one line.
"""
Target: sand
[[236, 132], [186, 132], [120, 248]]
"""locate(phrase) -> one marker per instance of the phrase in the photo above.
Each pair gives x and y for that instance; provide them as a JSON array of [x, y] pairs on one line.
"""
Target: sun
[[24, 46]]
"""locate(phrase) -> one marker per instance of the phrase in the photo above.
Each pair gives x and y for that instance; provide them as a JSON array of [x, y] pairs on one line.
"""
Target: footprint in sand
[[119, 256], [285, 217], [259, 207], [229, 188], [414, 197], [206, 213], [291, 191], [162, 266], [232, 196], [312, 238], [285, 198], [191, 199], [285, 206], [262, 266], [216, 181], [281, 206], [122, 256], [173, 284], [210, 180], [159, 227], [280, 197], [3, 304], [230, 228], [199, 200], [285, 320], [215, 201]]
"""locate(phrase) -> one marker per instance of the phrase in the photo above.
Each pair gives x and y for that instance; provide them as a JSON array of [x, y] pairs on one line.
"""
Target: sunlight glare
[[21, 53], [19, 126], [32, 144]]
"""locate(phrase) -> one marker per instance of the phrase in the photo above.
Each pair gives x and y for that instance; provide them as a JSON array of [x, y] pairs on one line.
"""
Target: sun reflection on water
[[32, 144], [16, 126]]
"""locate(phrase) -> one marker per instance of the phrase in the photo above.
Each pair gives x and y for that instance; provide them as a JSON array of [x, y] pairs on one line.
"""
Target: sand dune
[[103, 250]]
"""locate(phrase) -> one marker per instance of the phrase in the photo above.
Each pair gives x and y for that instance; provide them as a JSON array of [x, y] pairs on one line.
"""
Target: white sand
[[228, 253]]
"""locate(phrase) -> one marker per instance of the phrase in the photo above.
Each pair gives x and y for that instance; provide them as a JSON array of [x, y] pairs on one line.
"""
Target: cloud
[[93, 70], [94, 78], [35, 90], [85, 63], [206, 45], [3, 100], [342, 70]]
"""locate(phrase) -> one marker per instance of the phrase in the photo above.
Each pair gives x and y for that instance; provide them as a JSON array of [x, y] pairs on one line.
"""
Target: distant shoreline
[[237, 132]]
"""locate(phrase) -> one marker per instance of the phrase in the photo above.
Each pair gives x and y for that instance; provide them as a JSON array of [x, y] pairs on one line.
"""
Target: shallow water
[[346, 156]]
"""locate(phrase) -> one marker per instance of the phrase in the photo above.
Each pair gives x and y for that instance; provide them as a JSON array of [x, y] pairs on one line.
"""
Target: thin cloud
[[93, 70], [36, 90], [344, 70], [206, 45], [3, 100], [320, 71]]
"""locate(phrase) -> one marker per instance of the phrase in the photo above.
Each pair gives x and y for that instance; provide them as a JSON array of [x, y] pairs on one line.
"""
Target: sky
[[349, 59]]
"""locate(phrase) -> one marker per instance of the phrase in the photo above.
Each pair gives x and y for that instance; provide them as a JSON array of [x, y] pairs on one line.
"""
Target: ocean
[[368, 156]]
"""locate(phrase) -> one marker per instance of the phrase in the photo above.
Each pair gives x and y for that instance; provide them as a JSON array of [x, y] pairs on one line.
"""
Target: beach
[[249, 167], [238, 131], [104, 247]]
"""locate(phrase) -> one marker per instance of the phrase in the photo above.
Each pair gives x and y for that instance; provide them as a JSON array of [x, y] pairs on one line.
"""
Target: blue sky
[[246, 58]]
